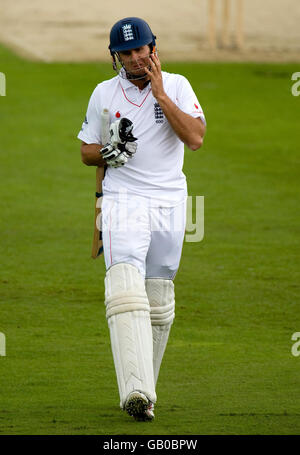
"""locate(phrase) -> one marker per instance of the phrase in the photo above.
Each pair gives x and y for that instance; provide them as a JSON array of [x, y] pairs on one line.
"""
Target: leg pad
[[128, 315], [162, 312]]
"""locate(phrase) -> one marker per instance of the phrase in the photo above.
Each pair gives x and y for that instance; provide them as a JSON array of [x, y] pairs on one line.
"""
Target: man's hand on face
[[155, 76]]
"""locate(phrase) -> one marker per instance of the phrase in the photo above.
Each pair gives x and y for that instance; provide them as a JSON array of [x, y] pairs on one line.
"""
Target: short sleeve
[[91, 127], [187, 100]]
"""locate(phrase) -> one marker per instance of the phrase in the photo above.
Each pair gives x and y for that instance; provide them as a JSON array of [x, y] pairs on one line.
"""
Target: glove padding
[[122, 143]]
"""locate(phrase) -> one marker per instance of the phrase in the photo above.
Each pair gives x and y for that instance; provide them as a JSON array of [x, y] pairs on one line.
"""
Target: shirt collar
[[126, 84]]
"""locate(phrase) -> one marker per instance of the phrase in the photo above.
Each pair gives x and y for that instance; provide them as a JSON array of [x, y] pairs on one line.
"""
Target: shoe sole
[[137, 406]]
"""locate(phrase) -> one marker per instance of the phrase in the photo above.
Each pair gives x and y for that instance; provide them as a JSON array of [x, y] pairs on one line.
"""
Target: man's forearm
[[90, 155], [189, 129]]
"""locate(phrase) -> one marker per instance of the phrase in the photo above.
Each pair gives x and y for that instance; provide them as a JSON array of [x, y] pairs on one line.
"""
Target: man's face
[[136, 59]]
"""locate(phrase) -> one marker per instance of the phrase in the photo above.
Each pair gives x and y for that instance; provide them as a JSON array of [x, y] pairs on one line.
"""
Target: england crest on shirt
[[158, 113]]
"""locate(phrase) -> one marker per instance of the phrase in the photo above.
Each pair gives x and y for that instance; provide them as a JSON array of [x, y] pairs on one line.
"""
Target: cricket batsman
[[152, 114]]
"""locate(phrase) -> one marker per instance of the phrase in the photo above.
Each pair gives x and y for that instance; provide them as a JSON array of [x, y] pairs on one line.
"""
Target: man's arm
[[189, 129], [90, 154]]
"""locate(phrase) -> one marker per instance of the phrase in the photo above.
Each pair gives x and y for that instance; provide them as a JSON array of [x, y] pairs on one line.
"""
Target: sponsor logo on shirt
[[158, 113]]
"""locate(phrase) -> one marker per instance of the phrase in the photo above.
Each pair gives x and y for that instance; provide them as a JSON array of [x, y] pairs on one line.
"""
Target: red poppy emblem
[[118, 115]]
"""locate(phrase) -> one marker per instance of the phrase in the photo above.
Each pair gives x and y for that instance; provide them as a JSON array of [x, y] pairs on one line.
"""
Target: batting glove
[[122, 143]]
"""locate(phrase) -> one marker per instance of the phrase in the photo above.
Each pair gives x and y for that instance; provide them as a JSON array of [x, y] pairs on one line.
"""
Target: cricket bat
[[97, 248]]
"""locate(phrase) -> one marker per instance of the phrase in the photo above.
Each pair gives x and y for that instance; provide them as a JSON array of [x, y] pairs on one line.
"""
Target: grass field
[[228, 368]]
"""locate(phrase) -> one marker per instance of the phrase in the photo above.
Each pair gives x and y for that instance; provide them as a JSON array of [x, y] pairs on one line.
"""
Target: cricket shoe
[[150, 411], [139, 407]]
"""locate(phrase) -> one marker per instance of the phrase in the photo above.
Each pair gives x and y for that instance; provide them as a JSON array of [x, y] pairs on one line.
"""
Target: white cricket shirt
[[155, 170]]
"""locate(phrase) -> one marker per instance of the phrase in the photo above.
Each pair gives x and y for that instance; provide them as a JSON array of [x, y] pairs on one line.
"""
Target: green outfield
[[228, 368]]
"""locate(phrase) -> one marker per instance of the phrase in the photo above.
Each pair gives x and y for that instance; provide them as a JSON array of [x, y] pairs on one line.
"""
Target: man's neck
[[140, 83]]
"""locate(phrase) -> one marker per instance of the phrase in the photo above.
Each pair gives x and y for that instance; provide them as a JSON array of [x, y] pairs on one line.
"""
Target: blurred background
[[77, 30]]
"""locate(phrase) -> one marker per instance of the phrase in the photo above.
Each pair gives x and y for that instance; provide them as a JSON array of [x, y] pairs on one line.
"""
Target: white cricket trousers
[[145, 233]]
